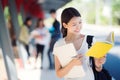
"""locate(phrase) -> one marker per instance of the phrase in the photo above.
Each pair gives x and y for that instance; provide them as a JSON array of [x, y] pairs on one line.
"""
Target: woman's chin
[[77, 32]]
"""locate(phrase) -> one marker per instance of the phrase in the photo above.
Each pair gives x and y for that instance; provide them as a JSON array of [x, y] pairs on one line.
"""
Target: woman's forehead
[[74, 19]]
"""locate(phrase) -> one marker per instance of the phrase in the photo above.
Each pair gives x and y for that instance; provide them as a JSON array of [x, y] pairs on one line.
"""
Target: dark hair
[[52, 11], [66, 16], [39, 20], [26, 20]]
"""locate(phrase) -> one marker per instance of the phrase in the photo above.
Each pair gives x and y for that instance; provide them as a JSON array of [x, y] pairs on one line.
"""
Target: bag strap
[[89, 41]]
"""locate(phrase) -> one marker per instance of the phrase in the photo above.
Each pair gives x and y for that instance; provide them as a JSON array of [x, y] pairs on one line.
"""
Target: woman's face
[[40, 24], [29, 22], [100, 61], [53, 15], [74, 25]]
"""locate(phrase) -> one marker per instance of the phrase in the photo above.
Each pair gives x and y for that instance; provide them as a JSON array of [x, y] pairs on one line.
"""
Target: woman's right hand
[[62, 71], [77, 60]]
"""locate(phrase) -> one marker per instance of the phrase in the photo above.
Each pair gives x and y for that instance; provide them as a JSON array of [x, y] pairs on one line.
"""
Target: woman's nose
[[78, 26]]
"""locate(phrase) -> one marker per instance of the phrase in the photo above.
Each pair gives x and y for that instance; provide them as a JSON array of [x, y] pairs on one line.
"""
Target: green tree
[[116, 11]]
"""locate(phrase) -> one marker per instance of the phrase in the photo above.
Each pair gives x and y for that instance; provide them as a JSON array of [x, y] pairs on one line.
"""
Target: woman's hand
[[79, 56], [62, 71], [77, 60]]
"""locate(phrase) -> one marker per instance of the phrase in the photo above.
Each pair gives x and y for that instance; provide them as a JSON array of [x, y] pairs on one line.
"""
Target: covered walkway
[[12, 68]]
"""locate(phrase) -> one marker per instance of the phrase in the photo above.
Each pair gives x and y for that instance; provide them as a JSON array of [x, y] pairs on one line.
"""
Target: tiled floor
[[35, 73]]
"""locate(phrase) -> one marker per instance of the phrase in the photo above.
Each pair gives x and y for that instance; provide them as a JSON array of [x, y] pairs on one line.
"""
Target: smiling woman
[[71, 29]]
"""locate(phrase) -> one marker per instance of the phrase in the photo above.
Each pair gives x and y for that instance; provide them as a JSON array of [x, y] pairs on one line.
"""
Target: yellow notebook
[[99, 49]]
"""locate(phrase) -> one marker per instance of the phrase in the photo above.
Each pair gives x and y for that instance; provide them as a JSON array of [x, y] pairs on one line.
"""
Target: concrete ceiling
[[53, 4]]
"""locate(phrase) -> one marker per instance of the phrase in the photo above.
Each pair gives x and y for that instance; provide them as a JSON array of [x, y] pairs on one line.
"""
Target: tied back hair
[[66, 16]]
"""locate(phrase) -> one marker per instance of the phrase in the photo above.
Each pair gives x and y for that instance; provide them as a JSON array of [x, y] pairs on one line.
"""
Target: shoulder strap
[[89, 40]]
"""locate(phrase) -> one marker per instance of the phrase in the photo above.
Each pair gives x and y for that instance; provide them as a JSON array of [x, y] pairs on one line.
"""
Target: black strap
[[89, 41]]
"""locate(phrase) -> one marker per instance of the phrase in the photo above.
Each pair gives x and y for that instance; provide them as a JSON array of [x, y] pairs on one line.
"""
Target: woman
[[71, 29], [25, 34], [40, 35]]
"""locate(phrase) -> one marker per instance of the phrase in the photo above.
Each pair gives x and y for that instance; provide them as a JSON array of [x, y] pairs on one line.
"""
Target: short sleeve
[[60, 42], [94, 40]]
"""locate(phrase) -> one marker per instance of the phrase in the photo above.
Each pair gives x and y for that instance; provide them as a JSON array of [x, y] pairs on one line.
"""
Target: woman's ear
[[64, 25]]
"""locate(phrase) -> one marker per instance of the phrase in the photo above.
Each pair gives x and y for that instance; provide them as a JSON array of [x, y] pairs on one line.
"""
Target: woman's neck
[[72, 37]]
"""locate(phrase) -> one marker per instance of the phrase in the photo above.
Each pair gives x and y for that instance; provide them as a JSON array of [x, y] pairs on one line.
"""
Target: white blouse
[[86, 66], [41, 32]]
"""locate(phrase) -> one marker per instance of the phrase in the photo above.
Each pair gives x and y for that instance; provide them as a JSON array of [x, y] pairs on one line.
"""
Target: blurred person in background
[[13, 37], [25, 34], [55, 35], [40, 36]]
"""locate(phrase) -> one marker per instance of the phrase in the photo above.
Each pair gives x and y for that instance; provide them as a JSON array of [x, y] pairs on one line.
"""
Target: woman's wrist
[[98, 68]]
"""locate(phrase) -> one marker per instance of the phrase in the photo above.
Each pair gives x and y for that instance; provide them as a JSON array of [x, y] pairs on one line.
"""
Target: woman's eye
[[74, 24]]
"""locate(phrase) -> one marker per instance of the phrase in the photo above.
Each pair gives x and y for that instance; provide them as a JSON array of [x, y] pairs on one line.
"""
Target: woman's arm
[[62, 71]]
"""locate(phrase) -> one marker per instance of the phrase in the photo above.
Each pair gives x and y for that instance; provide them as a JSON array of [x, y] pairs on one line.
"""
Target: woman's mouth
[[77, 30]]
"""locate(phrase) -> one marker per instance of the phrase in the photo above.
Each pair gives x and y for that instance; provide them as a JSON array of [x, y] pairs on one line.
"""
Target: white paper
[[110, 37], [65, 54]]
